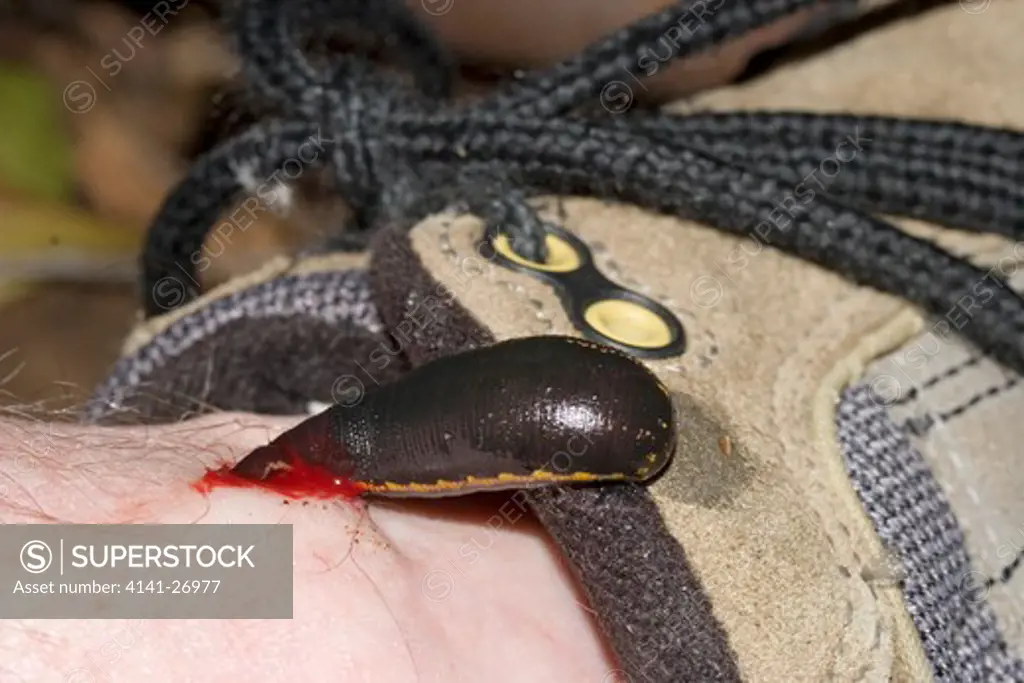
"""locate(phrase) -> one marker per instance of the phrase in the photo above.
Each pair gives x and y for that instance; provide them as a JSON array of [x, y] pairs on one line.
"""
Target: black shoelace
[[399, 152]]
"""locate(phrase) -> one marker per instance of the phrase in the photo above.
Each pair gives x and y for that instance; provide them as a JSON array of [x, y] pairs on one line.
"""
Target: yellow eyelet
[[562, 258], [628, 323]]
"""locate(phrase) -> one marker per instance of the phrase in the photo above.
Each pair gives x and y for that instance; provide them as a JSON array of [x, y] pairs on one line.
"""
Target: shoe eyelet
[[562, 256], [628, 323]]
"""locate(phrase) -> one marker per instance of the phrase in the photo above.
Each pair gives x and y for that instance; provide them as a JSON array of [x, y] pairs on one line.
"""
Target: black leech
[[519, 413]]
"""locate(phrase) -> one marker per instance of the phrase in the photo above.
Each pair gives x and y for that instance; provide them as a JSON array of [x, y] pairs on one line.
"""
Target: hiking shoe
[[842, 504]]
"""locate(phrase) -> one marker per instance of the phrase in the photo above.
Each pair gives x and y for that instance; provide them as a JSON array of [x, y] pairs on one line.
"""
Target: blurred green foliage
[[35, 151]]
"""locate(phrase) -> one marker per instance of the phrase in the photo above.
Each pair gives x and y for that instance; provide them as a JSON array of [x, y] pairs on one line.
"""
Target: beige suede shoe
[[843, 504]]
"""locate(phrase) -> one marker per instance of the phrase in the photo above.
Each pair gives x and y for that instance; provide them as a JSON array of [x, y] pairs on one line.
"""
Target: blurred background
[[102, 106]]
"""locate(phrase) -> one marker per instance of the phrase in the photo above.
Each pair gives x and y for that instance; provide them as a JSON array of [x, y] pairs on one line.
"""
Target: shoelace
[[399, 153]]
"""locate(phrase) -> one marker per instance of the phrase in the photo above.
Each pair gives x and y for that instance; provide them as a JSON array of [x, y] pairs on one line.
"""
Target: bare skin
[[389, 593], [530, 34]]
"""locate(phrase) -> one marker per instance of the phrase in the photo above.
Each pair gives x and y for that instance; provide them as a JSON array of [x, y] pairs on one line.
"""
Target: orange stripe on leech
[[483, 482]]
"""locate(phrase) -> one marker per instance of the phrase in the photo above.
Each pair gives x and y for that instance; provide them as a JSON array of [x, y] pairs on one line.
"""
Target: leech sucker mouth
[[262, 463], [292, 465]]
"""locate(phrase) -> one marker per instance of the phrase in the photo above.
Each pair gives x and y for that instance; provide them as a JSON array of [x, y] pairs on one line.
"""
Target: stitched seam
[[949, 373], [855, 579], [1007, 572], [922, 423], [842, 569], [980, 397]]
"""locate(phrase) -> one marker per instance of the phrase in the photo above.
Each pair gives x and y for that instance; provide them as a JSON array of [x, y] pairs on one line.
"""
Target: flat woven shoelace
[[399, 152]]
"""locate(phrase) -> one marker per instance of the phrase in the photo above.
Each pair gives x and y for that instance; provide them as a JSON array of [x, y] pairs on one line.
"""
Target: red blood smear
[[299, 480]]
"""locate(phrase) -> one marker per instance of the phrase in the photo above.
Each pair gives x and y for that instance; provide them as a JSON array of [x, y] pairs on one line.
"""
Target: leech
[[517, 414]]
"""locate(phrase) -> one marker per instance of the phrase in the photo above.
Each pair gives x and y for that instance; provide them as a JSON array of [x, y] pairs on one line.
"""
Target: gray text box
[[147, 571]]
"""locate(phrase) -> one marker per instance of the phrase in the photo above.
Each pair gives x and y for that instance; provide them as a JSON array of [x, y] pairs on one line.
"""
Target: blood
[[299, 479], [288, 465]]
